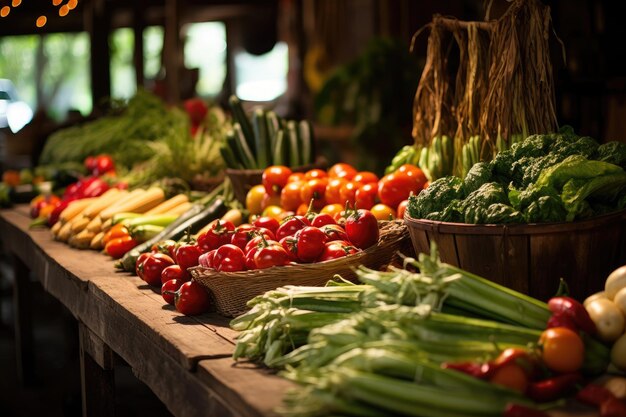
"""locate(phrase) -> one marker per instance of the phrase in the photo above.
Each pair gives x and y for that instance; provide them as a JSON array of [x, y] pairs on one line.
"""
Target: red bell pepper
[[562, 320], [553, 388], [575, 310]]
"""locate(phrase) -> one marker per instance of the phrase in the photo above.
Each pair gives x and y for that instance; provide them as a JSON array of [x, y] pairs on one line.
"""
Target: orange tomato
[[314, 189], [366, 196], [334, 210], [332, 191], [275, 178], [393, 188], [46, 210], [117, 231], [365, 177], [348, 192], [290, 195], [315, 173], [416, 173], [342, 170], [511, 376], [273, 211], [562, 350], [270, 200], [383, 212], [296, 177], [302, 209], [254, 198]]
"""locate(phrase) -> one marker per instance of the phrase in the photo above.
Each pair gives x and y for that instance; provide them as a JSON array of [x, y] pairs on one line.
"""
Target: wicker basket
[[531, 258], [232, 290]]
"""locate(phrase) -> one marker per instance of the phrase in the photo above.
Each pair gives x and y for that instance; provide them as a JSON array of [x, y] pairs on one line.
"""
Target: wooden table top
[[186, 361]]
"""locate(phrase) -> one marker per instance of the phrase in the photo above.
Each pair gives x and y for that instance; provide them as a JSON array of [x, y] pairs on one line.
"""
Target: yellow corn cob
[[151, 198], [95, 225], [74, 209], [55, 228], [180, 209], [105, 200], [65, 233], [136, 193], [96, 242], [106, 225], [82, 240], [79, 223], [168, 205]]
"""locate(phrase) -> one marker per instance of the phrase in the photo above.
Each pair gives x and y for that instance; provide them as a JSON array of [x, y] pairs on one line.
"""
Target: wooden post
[[172, 50], [138, 51], [97, 23], [97, 376], [22, 305]]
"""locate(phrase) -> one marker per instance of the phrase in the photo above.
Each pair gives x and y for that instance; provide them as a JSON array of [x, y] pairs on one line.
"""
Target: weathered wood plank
[[91, 344], [23, 320], [97, 387]]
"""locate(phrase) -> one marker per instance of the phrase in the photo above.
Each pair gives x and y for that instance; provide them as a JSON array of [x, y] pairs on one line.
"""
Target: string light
[[16, 3], [64, 10], [4, 12], [56, 2], [41, 21], [72, 4]]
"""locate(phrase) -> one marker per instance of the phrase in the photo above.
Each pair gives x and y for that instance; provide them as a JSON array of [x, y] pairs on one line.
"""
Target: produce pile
[[545, 178], [441, 342]]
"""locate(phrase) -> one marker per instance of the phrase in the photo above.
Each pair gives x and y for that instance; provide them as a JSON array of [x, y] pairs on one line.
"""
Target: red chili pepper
[[594, 394], [475, 369], [575, 310], [54, 215], [562, 320], [613, 407], [553, 388], [517, 410]]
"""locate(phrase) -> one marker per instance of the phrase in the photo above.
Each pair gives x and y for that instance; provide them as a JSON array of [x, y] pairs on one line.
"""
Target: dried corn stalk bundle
[[502, 86]]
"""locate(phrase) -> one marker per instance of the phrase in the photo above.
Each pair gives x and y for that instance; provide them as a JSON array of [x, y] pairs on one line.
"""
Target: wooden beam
[[138, 51], [97, 23], [172, 50], [23, 319]]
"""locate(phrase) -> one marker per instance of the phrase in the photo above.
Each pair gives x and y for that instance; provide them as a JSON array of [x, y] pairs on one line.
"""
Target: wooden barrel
[[531, 258]]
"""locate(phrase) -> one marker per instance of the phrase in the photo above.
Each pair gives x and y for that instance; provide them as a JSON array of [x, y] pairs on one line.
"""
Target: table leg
[[97, 375], [22, 305]]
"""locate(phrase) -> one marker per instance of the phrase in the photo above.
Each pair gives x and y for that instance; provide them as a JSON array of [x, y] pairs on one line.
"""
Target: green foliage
[[478, 175], [436, 197], [613, 153]]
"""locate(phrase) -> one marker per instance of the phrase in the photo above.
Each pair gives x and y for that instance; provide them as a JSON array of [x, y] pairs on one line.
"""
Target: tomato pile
[[308, 238], [284, 192]]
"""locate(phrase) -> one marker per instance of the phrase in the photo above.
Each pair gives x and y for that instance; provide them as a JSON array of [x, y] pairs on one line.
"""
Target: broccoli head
[[439, 194]]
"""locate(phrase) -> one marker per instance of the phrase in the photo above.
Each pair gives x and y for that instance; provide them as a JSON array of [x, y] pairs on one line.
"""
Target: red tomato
[[426, 184], [268, 223], [310, 243], [337, 249], [393, 188], [342, 170], [291, 226], [321, 219], [187, 256], [334, 232], [192, 299], [296, 177], [117, 247], [362, 228], [243, 234], [118, 230], [206, 259], [366, 196], [169, 288], [290, 196], [90, 163], [562, 349], [153, 266], [314, 173], [249, 259], [365, 177], [272, 255], [275, 178], [165, 246], [218, 235], [348, 192], [140, 260], [416, 173], [229, 258], [258, 242], [511, 376], [104, 163], [332, 193], [314, 189], [402, 208], [289, 244], [174, 272]]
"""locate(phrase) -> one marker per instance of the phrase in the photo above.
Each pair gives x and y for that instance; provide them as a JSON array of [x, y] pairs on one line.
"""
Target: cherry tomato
[[365, 177], [153, 266], [118, 230], [333, 209], [562, 350], [169, 288], [90, 163], [268, 223], [337, 249], [206, 259], [296, 177], [383, 212], [165, 246], [270, 200], [321, 219], [416, 173], [243, 234], [348, 192], [174, 272], [257, 242], [275, 212], [332, 193], [314, 173], [334, 232], [104, 163], [140, 260], [116, 248], [218, 235], [249, 259], [362, 228], [393, 188], [289, 244], [187, 256], [291, 226], [290, 196], [229, 258], [342, 170], [511, 376], [271, 255], [366, 196], [314, 189], [254, 199], [192, 299], [402, 208], [310, 243], [275, 178]]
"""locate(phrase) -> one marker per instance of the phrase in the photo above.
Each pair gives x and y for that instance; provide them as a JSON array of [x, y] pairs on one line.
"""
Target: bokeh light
[[64, 10], [4, 12], [41, 21]]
